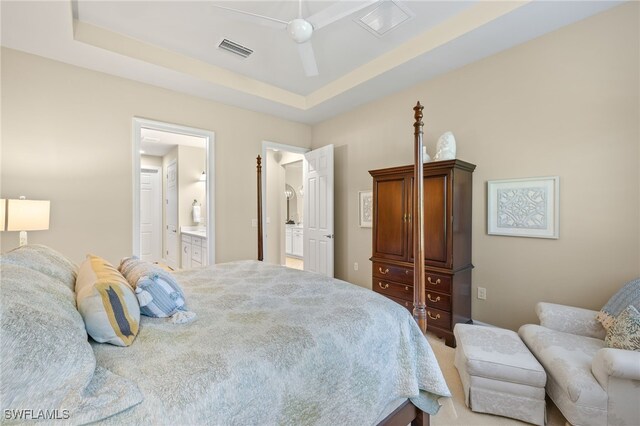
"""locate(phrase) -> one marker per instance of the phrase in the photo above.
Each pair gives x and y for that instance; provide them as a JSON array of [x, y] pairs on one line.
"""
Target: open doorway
[[298, 207], [173, 195], [284, 207]]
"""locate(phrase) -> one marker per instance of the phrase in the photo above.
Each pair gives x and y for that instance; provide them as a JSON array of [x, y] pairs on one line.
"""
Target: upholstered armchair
[[590, 383]]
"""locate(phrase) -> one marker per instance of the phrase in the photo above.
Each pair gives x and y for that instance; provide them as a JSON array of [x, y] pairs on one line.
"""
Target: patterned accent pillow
[[107, 303], [629, 294], [625, 331], [158, 293]]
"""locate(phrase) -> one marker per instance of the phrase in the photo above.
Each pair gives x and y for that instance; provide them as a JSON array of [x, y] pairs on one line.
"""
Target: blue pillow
[[629, 295], [159, 295], [158, 292]]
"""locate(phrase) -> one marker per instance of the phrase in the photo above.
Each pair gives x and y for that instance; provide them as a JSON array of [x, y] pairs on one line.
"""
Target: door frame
[[159, 230], [209, 136], [282, 147]]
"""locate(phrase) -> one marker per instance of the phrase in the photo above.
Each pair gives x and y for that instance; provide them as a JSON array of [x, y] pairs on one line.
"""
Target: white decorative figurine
[[425, 155], [446, 148]]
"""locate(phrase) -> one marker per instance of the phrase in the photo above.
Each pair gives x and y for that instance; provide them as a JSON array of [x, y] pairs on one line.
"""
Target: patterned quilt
[[271, 346]]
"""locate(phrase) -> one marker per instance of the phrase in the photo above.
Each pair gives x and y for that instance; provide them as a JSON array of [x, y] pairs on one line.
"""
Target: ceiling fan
[[301, 29]]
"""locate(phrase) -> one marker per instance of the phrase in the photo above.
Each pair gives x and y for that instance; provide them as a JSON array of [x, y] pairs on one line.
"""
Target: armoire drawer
[[438, 318], [406, 303], [438, 300], [388, 288], [393, 272], [437, 282]]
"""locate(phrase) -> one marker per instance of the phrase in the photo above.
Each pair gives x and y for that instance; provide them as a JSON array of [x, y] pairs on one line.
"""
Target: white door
[[150, 214], [317, 175], [171, 251]]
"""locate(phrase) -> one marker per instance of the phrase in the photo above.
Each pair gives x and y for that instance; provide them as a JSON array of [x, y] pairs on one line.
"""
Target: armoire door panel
[[390, 234], [435, 219]]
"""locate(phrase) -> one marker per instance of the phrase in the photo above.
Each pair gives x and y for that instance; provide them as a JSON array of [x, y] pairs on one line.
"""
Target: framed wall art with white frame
[[527, 207], [366, 208]]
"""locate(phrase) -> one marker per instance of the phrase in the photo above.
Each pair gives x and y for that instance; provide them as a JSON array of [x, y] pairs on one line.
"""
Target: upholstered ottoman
[[499, 374]]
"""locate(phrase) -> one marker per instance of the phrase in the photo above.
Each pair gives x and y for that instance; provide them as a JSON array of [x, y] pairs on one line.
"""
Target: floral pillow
[[629, 294], [624, 333]]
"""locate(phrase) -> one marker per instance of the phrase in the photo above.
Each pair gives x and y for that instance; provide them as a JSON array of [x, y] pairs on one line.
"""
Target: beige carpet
[[463, 415], [294, 262]]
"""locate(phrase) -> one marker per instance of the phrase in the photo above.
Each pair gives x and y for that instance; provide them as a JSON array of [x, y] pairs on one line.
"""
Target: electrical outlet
[[482, 293], [268, 220], [355, 266]]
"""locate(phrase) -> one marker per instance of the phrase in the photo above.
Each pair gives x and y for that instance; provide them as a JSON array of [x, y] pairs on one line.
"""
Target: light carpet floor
[[463, 415], [294, 262]]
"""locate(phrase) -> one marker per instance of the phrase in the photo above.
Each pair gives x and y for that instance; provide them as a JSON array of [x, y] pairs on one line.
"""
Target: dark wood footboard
[[405, 414]]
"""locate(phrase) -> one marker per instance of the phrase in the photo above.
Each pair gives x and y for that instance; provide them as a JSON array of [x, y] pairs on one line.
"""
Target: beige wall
[[565, 104], [150, 161], [67, 137], [293, 177], [191, 163], [273, 201]]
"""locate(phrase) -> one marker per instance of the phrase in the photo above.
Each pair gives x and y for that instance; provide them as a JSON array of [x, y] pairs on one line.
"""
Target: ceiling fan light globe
[[300, 30]]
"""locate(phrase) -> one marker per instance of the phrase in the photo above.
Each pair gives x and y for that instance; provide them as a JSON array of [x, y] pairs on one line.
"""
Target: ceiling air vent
[[385, 17], [236, 48]]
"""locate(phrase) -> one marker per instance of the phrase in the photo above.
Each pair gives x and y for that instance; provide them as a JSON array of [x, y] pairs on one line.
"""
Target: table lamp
[[27, 215]]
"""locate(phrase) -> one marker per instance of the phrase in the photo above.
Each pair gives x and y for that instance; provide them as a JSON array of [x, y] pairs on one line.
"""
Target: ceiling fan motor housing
[[300, 30]]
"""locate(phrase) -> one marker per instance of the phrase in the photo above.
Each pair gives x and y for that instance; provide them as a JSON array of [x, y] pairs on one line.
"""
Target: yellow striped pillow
[[107, 303]]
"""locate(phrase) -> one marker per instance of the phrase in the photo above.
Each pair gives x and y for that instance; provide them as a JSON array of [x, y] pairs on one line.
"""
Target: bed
[[271, 345]]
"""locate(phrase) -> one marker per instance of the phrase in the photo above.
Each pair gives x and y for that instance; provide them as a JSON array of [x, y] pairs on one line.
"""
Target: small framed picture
[[524, 207], [366, 208]]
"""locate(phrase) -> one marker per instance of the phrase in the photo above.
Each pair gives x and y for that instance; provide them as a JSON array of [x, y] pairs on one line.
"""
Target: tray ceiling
[[173, 44]]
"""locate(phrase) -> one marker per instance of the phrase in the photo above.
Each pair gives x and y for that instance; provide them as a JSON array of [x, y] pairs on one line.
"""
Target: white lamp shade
[[3, 210], [28, 215]]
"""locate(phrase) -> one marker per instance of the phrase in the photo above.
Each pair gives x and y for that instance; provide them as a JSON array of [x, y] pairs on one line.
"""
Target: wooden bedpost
[[419, 308], [259, 168]]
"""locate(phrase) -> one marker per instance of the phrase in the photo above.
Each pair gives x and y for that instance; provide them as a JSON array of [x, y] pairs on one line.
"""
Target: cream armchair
[[590, 383]]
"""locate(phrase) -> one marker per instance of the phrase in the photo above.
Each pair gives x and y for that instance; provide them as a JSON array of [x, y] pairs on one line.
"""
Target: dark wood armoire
[[447, 245]]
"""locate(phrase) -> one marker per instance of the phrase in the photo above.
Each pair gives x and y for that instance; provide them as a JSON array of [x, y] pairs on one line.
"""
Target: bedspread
[[273, 345]]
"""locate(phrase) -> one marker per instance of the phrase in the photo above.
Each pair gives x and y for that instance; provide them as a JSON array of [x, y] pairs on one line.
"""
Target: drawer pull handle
[[437, 299], [384, 287], [434, 283], [406, 288], [385, 272], [432, 317], [407, 272], [406, 304]]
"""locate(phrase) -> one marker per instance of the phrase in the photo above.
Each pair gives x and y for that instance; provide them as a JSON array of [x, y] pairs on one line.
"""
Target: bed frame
[[407, 412]]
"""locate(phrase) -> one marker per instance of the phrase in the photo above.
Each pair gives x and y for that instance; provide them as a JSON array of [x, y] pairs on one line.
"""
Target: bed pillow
[[45, 357], [158, 292], [107, 303], [624, 333], [629, 294], [46, 260]]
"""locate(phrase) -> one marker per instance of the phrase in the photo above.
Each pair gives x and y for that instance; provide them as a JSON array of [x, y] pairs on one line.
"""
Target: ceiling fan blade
[[308, 59], [337, 11], [255, 15]]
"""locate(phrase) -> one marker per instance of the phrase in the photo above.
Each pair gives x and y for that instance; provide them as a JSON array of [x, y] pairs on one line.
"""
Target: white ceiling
[[173, 44], [158, 143]]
